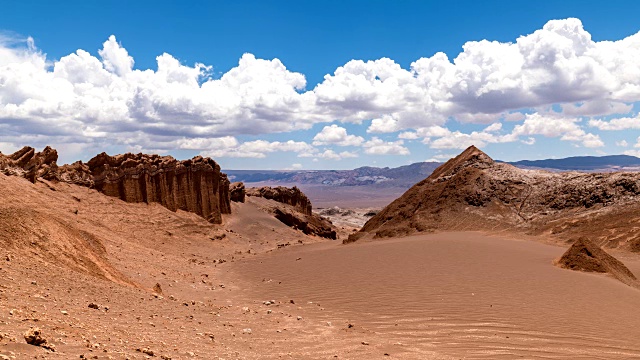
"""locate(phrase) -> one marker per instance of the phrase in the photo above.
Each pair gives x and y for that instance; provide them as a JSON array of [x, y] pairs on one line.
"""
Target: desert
[[103, 274], [346, 179]]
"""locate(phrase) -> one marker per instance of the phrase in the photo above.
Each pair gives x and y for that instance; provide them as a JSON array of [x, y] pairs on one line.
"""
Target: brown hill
[[473, 192], [584, 255], [52, 240]]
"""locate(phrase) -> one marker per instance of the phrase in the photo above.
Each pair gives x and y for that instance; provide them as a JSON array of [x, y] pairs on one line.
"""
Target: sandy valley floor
[[256, 289]]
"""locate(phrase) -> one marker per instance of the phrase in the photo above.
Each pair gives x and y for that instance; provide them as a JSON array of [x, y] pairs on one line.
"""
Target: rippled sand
[[459, 295]]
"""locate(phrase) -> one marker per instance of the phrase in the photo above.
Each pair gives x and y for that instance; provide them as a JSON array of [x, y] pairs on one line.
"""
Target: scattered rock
[[34, 337], [157, 288], [93, 306], [146, 351], [218, 236]]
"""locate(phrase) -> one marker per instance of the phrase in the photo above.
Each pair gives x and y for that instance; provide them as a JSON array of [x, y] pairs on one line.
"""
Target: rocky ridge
[[196, 185], [293, 208], [30, 164], [291, 196], [474, 192]]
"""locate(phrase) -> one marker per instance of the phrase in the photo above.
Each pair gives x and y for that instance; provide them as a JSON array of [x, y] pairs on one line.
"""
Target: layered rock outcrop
[[30, 164], [291, 196], [195, 185], [474, 192]]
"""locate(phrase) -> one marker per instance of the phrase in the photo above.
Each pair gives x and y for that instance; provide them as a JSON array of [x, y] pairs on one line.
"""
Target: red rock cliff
[[195, 185]]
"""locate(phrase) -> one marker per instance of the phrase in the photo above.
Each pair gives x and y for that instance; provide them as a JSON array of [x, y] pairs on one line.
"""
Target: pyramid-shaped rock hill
[[474, 192], [586, 256]]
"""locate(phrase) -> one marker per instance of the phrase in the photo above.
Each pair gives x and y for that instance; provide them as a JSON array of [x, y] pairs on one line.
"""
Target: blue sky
[[537, 88]]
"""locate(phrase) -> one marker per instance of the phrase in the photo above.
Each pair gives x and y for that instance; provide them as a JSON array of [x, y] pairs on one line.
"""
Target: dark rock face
[[237, 192], [308, 224], [293, 208], [291, 196], [224, 197], [586, 256], [195, 185]]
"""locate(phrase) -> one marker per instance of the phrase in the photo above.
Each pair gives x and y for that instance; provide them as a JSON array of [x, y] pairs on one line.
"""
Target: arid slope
[[83, 267]]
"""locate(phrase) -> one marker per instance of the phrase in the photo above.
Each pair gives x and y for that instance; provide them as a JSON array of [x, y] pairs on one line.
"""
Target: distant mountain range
[[406, 176], [403, 176], [584, 163]]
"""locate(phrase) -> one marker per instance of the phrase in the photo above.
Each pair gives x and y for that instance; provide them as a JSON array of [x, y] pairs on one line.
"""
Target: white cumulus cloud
[[336, 135], [332, 155], [86, 100], [377, 146], [258, 149], [624, 123]]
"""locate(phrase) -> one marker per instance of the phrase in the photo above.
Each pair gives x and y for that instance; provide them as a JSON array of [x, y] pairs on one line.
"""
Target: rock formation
[[34, 337], [237, 192], [30, 164], [474, 192], [584, 255], [195, 185], [291, 196], [309, 224], [293, 208]]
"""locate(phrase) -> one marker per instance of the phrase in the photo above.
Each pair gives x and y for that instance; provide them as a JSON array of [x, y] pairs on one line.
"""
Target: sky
[[321, 84]]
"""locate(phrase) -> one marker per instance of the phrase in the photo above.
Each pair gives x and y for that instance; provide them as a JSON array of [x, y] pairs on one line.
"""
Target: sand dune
[[459, 295]]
